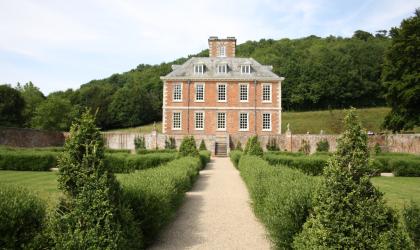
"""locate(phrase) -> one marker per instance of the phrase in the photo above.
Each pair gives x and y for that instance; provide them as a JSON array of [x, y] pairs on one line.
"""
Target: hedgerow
[[154, 194], [27, 160], [22, 217], [281, 197], [126, 163], [312, 165], [235, 156], [154, 151], [204, 157]]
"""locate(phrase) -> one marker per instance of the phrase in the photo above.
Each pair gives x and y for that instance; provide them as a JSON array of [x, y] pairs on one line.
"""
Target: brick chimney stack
[[223, 47]]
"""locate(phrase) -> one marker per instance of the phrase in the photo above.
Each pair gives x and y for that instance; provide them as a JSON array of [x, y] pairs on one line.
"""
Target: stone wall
[[21, 137]]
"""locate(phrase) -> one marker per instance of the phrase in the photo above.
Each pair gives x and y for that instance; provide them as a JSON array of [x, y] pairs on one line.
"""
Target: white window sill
[[221, 101], [176, 128], [243, 130], [221, 129], [199, 101], [243, 101], [266, 101], [267, 130], [199, 129], [176, 100]]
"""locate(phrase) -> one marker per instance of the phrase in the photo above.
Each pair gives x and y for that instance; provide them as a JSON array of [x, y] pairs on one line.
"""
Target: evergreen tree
[[202, 145], [349, 212], [91, 215], [253, 146], [188, 147]]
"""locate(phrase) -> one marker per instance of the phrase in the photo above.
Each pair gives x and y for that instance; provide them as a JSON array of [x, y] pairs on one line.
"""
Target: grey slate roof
[[186, 70]]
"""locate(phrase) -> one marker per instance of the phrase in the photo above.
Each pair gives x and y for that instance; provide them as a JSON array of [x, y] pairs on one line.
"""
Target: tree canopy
[[11, 106], [401, 75]]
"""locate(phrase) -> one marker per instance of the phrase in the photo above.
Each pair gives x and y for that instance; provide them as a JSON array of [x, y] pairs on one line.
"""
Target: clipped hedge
[[148, 151], [312, 165], [155, 194], [28, 160], [235, 156], [22, 216], [126, 163], [204, 157], [398, 163], [281, 197]]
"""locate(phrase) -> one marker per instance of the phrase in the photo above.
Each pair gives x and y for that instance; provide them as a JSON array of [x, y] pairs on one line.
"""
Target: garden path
[[216, 214]]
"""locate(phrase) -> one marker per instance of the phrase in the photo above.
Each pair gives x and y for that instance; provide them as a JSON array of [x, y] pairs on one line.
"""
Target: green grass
[[310, 121], [399, 190]]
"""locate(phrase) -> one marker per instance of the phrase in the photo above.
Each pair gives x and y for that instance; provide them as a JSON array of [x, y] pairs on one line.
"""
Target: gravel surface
[[216, 214]]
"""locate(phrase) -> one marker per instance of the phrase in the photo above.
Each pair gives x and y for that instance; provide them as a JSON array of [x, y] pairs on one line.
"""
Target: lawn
[[398, 190], [310, 121]]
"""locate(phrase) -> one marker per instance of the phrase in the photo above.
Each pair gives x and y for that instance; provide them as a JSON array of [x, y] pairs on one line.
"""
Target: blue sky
[[61, 44]]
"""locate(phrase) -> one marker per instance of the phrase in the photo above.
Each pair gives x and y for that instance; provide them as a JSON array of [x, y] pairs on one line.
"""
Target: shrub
[[405, 167], [311, 165], [139, 143], [92, 215], [204, 157], [253, 147], [235, 156], [238, 146], [349, 212], [272, 144], [377, 149], [202, 146], [170, 143], [188, 147], [155, 194], [323, 146], [154, 151], [281, 197], [22, 216], [305, 147], [411, 215], [27, 160], [112, 151], [126, 163]]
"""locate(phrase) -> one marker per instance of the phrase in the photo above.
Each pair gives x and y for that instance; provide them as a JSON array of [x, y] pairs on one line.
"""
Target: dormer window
[[222, 68], [246, 69], [199, 69], [222, 51]]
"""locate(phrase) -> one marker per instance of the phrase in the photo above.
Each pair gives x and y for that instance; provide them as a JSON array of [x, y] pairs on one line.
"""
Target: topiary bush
[[323, 146], [188, 147], [272, 144], [92, 214], [349, 212], [235, 156], [253, 147], [205, 157], [202, 146], [22, 217]]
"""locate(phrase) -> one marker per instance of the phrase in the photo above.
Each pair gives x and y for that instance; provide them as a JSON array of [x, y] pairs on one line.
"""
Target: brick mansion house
[[221, 95]]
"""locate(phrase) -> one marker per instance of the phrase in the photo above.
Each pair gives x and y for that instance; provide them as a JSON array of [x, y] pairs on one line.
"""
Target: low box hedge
[[235, 156], [28, 160], [312, 165], [205, 156], [155, 194], [126, 163], [281, 197]]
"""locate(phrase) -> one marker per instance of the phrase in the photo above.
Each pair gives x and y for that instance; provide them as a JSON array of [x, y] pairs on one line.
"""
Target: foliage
[[349, 212], [281, 198], [323, 146], [188, 147], [92, 214], [401, 75], [205, 157], [127, 163], [170, 143], [139, 143], [235, 156], [154, 151], [311, 165], [155, 194], [11, 106], [238, 146], [27, 160], [54, 114], [377, 149], [22, 216], [411, 215], [253, 146], [202, 145], [33, 98], [272, 144], [305, 147]]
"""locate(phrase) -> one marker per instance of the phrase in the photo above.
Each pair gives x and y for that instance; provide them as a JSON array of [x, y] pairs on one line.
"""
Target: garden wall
[[21, 137]]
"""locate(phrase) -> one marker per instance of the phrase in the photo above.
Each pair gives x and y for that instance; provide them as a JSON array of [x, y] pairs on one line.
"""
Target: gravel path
[[216, 214]]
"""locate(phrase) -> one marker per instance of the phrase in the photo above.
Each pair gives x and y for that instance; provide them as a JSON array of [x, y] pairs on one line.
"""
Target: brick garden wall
[[19, 137]]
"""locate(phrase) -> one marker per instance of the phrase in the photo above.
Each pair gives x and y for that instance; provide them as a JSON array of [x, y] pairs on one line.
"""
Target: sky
[[61, 44]]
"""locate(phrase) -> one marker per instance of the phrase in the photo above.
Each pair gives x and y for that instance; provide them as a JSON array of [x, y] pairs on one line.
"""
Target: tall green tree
[[401, 75], [12, 107], [33, 98], [349, 212], [54, 113]]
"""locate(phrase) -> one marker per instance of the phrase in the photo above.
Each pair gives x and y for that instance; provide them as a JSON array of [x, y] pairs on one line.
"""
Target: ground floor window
[[266, 121], [199, 120], [221, 121], [176, 120], [243, 121]]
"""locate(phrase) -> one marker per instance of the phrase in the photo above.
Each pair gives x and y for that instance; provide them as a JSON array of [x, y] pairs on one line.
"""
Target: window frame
[[217, 90], [195, 91], [270, 121], [180, 120], [203, 120], [174, 92], [247, 121], [262, 92], [200, 67], [217, 121], [225, 66], [220, 49], [247, 67], [247, 92]]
